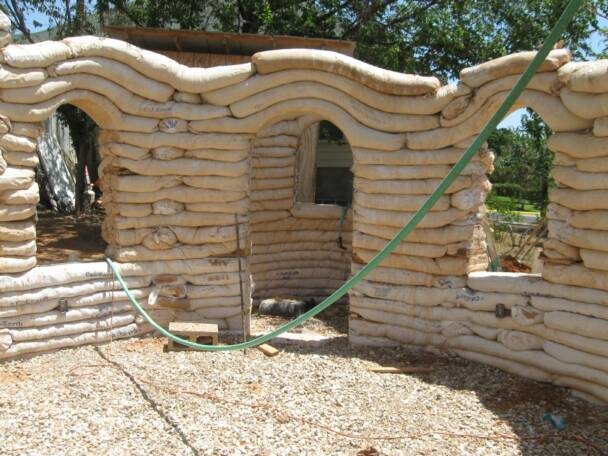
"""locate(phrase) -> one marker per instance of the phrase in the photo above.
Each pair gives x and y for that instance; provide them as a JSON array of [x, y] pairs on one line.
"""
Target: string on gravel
[[282, 417]]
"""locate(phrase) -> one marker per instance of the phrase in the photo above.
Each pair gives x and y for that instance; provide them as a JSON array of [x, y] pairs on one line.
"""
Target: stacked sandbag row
[[516, 322], [161, 182], [59, 306], [19, 195], [170, 203], [552, 330], [575, 253], [172, 197], [295, 246]]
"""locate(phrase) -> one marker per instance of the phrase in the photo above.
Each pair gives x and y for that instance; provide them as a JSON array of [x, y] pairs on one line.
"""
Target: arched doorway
[[301, 221]]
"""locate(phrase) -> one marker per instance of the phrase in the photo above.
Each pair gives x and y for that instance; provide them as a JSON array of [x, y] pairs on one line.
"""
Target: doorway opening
[[301, 224], [70, 212]]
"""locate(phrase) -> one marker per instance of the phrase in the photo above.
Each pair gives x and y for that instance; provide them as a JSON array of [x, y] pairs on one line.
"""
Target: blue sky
[[510, 121]]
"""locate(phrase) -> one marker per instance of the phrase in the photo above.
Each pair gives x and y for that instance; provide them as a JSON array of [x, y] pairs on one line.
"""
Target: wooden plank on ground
[[268, 350]]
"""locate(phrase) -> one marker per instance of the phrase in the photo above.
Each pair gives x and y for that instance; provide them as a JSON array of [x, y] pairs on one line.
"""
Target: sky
[[511, 121]]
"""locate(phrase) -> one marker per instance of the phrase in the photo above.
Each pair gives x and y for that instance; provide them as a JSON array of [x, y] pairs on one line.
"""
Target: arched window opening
[[325, 175], [69, 211], [521, 183]]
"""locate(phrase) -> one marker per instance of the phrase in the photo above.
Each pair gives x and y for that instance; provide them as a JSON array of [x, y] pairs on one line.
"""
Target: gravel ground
[[129, 397]]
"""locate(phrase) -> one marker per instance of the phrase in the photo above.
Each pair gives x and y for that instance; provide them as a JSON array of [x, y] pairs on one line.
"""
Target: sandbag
[[593, 165], [519, 341], [408, 187], [577, 275], [279, 237], [18, 249], [596, 219], [442, 236], [240, 207], [536, 358], [587, 77], [600, 126], [585, 105], [18, 231], [565, 250], [570, 355], [185, 97], [183, 166], [549, 304], [21, 159], [401, 277], [142, 253], [173, 125], [382, 172], [433, 297], [41, 54], [453, 114], [398, 202], [378, 119], [167, 207], [285, 142], [123, 150], [507, 365], [118, 72], [373, 77], [426, 104], [580, 180], [471, 198], [550, 108], [577, 324], [17, 77], [399, 219], [526, 315], [29, 195], [10, 265], [181, 193], [16, 212], [511, 64], [594, 259], [105, 114], [31, 130], [357, 133], [159, 67], [69, 328], [587, 239], [405, 248], [580, 200], [447, 156], [230, 156], [93, 337], [181, 140], [9, 141], [271, 194], [578, 145]]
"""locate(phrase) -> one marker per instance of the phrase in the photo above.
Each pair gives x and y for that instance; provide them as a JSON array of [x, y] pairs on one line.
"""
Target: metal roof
[[220, 42]]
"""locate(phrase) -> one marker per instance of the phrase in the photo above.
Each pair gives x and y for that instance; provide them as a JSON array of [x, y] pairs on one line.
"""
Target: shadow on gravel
[[519, 402]]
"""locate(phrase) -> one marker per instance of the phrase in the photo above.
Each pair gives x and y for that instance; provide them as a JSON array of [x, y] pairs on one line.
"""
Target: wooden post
[[307, 165]]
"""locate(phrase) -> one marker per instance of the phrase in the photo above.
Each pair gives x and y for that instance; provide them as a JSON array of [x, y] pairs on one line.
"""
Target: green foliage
[[523, 163], [437, 37]]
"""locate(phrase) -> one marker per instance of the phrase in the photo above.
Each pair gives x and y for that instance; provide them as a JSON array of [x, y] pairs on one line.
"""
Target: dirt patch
[[61, 238], [331, 322], [510, 264], [13, 376]]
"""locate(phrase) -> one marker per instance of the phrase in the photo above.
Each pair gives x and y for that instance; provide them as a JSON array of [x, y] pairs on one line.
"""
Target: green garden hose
[[522, 82]]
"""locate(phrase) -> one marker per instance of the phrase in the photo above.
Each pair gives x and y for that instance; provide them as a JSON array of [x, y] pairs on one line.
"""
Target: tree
[[523, 162], [65, 19], [437, 37], [432, 37]]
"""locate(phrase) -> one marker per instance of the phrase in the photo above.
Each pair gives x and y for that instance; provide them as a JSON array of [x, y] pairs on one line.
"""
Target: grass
[[506, 204]]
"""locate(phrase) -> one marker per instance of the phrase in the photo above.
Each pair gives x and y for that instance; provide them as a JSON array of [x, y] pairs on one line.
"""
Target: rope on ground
[[283, 416]]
